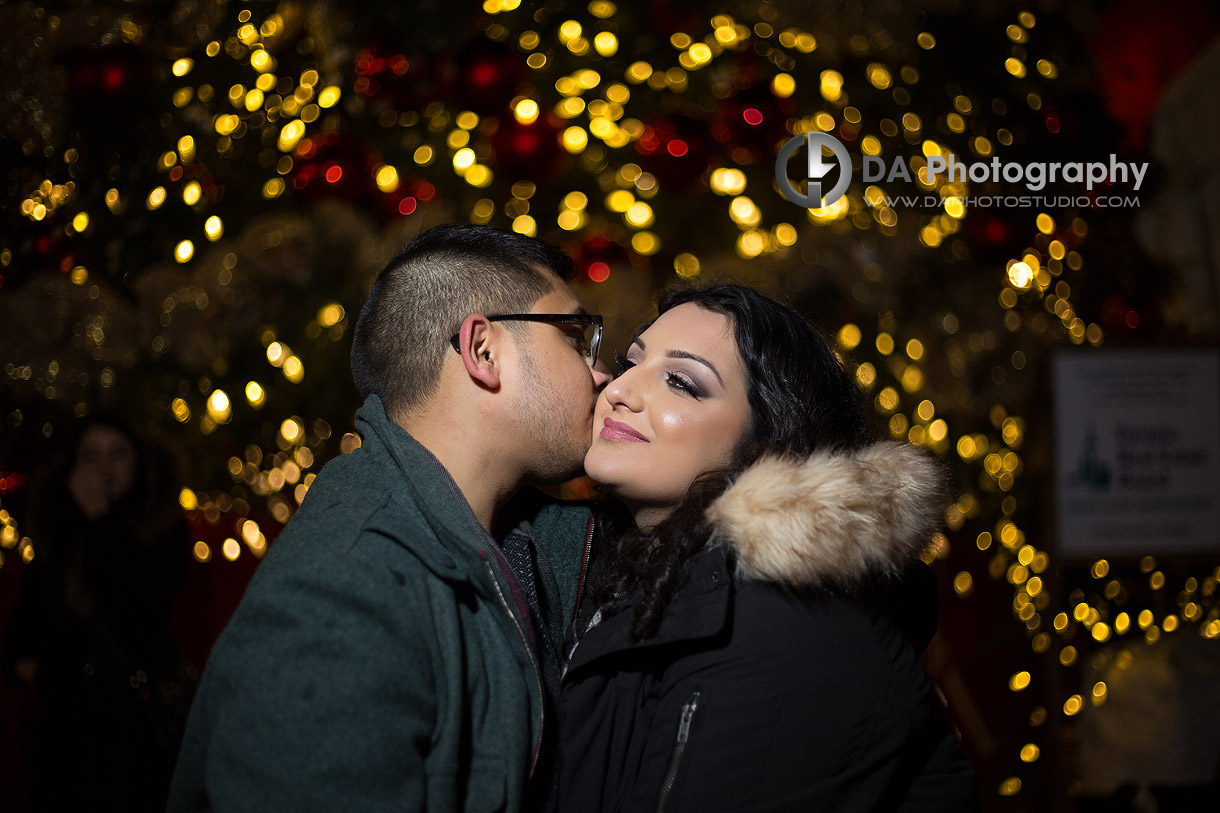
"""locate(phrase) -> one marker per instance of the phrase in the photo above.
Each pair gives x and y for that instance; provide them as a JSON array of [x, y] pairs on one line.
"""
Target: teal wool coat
[[378, 660]]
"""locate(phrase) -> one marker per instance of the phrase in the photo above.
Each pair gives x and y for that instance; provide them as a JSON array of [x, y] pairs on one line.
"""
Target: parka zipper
[[584, 568], [529, 652], [675, 761]]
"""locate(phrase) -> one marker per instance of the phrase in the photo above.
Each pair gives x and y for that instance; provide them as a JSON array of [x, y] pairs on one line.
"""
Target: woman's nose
[[624, 391], [601, 376]]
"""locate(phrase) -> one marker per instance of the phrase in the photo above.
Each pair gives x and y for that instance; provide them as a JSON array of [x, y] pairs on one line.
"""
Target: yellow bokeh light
[[570, 220], [386, 178], [619, 201], [463, 159], [80, 222], [329, 96], [751, 243], [156, 198], [605, 44], [963, 583], [638, 72], [231, 549], [887, 399], [182, 67], [330, 314], [188, 500], [700, 54], [294, 369], [1021, 275], [191, 193], [728, 181], [848, 336], [1019, 681], [526, 111], [255, 393], [639, 215], [744, 212], [783, 85], [524, 224], [184, 251], [686, 265], [276, 353], [290, 135], [832, 85], [201, 551], [291, 430], [219, 408], [575, 139], [213, 228], [879, 76], [645, 243]]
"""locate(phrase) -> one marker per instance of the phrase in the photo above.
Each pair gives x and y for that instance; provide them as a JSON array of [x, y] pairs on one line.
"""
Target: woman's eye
[[622, 363], [682, 385]]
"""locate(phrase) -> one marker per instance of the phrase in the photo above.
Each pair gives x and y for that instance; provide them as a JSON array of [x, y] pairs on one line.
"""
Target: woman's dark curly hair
[[801, 399]]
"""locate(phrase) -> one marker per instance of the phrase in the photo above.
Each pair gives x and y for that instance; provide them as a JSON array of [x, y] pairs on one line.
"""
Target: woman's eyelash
[[672, 379], [622, 362], [679, 383]]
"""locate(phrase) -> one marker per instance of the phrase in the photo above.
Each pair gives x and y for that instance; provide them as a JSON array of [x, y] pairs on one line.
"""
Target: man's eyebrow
[[682, 354]]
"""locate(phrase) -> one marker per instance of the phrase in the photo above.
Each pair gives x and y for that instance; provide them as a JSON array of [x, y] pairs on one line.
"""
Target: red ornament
[[528, 151], [488, 75], [751, 123], [331, 165], [102, 80], [675, 150]]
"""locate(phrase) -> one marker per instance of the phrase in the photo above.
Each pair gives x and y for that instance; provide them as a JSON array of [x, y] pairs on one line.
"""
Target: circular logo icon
[[817, 168]]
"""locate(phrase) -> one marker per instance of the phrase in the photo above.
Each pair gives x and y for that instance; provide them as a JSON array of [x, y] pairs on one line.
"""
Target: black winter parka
[[785, 674]]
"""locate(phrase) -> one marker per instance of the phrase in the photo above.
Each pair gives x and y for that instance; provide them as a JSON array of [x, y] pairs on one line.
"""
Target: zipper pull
[[688, 712]]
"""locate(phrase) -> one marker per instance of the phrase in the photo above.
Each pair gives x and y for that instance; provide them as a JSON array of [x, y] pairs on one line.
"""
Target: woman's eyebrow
[[682, 354]]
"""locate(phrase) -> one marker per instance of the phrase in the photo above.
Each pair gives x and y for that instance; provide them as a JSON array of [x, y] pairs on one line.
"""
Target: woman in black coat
[[752, 642]]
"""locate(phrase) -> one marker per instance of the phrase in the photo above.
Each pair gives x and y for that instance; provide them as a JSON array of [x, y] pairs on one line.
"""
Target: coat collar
[[700, 609], [832, 520], [459, 546]]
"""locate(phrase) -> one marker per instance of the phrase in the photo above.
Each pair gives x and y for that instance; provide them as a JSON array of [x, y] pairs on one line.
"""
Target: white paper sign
[[1137, 435]]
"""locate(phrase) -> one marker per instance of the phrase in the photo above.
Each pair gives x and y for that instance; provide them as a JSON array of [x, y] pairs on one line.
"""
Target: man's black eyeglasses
[[588, 343]]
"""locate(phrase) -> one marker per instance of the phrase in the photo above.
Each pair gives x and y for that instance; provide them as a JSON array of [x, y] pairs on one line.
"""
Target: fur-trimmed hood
[[832, 520]]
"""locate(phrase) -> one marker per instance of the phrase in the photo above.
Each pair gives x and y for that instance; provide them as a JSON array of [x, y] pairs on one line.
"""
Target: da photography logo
[[818, 168]]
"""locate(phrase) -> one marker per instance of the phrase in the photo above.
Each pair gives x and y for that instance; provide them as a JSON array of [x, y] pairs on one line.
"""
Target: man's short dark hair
[[422, 295]]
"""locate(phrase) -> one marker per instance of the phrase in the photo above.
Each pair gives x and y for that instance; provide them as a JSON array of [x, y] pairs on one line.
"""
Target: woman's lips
[[614, 430]]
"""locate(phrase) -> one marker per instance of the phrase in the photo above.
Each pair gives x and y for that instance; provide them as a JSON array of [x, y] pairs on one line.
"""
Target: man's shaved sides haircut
[[425, 292]]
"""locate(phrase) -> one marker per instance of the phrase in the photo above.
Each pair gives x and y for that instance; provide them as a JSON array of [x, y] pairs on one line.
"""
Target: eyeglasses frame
[[585, 319]]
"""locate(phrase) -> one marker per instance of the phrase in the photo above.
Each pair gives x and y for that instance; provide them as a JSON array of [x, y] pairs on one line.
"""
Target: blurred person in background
[[90, 631]]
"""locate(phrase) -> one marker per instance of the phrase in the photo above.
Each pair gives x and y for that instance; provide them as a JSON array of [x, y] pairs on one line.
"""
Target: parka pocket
[[679, 750]]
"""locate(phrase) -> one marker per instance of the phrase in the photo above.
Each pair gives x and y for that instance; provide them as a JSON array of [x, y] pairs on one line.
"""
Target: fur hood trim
[[832, 520]]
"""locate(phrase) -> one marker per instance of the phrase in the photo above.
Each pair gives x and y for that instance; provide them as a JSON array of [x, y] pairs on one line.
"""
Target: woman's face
[[677, 411], [108, 455]]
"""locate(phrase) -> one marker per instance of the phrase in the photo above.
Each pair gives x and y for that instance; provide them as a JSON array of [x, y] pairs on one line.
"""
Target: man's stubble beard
[[559, 449]]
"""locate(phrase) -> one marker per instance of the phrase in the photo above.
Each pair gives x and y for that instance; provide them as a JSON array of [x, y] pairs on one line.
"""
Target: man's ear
[[477, 343]]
